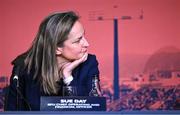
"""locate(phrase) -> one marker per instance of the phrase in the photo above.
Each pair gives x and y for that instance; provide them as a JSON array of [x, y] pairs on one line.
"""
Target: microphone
[[16, 80], [16, 74], [19, 93], [15, 77]]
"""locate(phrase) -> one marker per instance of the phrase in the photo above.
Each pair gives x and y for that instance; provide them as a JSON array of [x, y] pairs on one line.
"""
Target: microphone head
[[15, 77]]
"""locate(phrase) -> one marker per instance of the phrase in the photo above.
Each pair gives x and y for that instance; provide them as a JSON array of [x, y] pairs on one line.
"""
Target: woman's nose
[[85, 43]]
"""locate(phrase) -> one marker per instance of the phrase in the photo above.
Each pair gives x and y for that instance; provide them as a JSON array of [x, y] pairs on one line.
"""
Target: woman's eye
[[77, 41]]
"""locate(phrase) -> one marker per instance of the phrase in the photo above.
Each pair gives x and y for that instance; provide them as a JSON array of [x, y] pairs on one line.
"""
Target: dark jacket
[[29, 91]]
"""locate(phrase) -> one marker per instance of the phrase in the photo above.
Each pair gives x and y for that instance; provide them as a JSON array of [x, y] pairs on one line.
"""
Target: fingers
[[69, 66], [79, 61], [84, 58]]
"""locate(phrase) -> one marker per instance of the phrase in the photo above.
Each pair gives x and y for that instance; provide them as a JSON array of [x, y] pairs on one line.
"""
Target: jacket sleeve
[[13, 99], [93, 71], [93, 66]]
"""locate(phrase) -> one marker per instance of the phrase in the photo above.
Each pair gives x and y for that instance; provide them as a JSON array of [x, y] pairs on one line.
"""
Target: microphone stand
[[17, 91]]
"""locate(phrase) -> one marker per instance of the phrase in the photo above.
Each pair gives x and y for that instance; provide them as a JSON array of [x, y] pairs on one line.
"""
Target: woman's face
[[76, 45]]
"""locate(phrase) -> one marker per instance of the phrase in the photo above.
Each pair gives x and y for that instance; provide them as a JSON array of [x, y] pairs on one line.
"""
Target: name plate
[[78, 103]]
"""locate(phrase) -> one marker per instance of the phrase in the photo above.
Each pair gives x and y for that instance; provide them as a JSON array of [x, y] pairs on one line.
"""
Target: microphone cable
[[22, 97]]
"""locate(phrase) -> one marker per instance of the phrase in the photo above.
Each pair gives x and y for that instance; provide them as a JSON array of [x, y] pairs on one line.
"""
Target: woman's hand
[[68, 67]]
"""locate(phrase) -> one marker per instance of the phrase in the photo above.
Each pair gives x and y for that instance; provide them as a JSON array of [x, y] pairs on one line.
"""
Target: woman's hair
[[41, 57]]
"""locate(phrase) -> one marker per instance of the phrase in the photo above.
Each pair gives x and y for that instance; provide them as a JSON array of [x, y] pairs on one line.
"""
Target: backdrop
[[153, 27]]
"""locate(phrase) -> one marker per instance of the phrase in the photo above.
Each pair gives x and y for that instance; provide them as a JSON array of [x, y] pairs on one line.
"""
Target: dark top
[[30, 90]]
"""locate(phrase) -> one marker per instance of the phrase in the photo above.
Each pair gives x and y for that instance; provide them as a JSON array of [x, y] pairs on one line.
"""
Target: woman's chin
[[81, 55], [77, 57]]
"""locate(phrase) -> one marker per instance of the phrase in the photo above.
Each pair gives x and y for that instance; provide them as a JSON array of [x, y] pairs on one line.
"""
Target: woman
[[57, 58]]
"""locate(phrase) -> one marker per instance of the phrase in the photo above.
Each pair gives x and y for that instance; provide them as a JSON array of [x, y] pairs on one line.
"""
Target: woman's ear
[[59, 50]]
